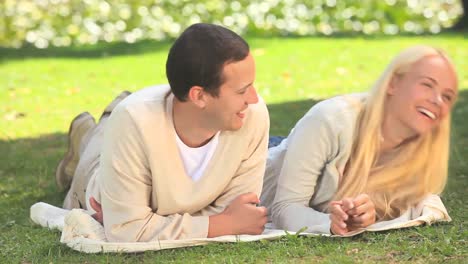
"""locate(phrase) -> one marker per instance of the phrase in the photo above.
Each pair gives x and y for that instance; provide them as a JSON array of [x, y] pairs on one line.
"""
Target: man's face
[[228, 111]]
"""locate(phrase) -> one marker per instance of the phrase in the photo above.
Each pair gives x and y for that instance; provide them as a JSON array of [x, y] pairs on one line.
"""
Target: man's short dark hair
[[198, 56]]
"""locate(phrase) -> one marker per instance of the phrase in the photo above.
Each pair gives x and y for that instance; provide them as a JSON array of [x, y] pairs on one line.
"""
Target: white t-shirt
[[196, 159]]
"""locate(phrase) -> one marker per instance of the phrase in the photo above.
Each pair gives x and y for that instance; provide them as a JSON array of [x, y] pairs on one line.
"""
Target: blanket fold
[[83, 233]]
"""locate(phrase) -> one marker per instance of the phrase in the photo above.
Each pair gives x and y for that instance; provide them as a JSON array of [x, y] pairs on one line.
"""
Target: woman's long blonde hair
[[419, 167]]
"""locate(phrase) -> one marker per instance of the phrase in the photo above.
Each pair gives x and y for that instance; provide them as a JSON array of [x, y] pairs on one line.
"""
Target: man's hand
[[363, 213], [242, 216], [96, 207]]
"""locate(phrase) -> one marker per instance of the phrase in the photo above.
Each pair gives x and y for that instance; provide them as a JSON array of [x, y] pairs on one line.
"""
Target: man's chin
[[235, 127]]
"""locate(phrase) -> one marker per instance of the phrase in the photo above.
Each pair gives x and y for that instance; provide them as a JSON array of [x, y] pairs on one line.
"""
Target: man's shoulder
[[152, 94], [146, 109], [148, 101]]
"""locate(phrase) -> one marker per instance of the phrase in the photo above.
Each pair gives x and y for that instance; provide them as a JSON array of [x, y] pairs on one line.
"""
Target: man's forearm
[[219, 225]]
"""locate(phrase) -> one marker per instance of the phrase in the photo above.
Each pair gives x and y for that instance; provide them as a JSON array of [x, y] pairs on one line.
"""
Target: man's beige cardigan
[[141, 182]]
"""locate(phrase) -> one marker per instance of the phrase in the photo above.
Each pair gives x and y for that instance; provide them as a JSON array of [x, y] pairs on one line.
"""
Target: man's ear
[[197, 96]]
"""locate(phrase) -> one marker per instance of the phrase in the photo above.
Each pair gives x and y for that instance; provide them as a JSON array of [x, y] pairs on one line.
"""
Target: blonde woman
[[356, 159]]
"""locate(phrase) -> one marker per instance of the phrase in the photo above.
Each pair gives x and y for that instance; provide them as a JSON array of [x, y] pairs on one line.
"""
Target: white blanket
[[82, 233]]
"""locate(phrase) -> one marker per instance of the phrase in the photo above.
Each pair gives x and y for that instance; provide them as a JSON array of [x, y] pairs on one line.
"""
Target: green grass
[[41, 91]]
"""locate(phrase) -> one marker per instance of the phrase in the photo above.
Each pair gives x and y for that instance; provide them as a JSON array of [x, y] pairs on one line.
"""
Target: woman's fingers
[[361, 209], [337, 220], [349, 214], [337, 209], [337, 226], [362, 204], [361, 199], [347, 204], [336, 230], [361, 221]]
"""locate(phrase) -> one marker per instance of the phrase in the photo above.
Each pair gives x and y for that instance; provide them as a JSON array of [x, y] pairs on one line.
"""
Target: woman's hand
[[362, 214], [350, 214], [338, 216]]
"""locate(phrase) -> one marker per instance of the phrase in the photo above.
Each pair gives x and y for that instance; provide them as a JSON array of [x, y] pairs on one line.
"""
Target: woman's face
[[422, 97]]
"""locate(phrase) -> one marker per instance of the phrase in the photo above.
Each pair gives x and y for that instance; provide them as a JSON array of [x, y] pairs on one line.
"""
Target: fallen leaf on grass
[[13, 115], [72, 91], [392, 254], [341, 71], [25, 91], [352, 251], [258, 52]]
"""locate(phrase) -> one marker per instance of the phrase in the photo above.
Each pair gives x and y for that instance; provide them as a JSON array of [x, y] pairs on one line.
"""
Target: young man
[[179, 161]]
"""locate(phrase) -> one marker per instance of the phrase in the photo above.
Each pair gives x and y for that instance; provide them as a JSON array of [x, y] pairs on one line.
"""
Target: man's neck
[[189, 124]]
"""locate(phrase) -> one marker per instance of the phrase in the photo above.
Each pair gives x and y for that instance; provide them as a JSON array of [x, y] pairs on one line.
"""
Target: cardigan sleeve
[[126, 188], [311, 145], [249, 175]]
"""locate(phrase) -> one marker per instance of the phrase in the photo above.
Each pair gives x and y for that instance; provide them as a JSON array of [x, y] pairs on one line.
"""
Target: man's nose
[[252, 96]]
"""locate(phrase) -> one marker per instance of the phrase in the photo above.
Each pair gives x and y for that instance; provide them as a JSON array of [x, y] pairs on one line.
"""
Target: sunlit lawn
[[41, 91]]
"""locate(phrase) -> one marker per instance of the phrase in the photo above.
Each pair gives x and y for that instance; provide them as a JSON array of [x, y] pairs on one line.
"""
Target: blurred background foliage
[[44, 23]]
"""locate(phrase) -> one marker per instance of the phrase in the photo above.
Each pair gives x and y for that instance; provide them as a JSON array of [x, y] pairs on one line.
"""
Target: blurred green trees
[[65, 22]]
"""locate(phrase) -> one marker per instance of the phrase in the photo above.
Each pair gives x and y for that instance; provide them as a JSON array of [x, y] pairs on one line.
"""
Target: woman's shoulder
[[333, 117], [341, 103], [338, 109]]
